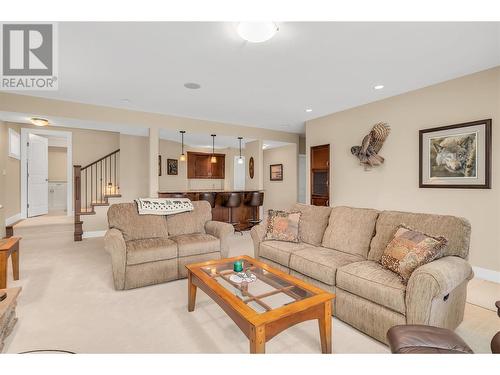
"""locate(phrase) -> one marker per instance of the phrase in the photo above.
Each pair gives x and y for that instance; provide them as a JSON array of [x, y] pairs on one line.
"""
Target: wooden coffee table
[[265, 307]]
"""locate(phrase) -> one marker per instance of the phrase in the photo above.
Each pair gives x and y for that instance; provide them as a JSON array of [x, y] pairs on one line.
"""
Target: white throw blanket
[[163, 206]]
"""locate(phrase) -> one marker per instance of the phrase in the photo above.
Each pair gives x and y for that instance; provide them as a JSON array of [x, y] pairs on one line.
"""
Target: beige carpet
[[68, 302]]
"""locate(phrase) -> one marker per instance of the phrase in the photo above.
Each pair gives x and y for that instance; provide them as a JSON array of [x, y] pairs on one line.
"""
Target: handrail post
[[77, 174]]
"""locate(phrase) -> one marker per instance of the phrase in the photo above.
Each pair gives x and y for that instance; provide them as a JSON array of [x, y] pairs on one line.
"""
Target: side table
[[9, 247]]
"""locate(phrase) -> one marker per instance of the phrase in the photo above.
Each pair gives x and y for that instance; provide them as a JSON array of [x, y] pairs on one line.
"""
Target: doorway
[[46, 173]]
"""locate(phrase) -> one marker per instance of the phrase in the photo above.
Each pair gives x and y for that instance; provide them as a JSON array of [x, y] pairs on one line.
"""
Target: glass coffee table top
[[267, 292]]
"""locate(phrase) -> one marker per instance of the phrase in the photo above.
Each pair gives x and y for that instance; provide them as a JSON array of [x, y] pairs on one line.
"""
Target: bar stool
[[231, 200], [209, 197], [177, 195], [255, 199]]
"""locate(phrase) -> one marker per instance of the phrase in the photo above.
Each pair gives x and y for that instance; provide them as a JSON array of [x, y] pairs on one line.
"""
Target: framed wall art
[[172, 167], [456, 156], [276, 172]]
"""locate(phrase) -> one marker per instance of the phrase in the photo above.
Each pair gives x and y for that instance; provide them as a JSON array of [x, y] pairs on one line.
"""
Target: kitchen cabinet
[[320, 175], [199, 165]]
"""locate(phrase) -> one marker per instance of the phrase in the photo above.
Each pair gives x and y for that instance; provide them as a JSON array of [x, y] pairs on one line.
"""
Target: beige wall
[[394, 185], [281, 195], [254, 149], [11, 179], [3, 148], [58, 164]]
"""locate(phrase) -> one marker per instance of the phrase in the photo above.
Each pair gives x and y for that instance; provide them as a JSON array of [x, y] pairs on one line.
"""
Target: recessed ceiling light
[[257, 32], [39, 121], [378, 87], [309, 110], [192, 85]]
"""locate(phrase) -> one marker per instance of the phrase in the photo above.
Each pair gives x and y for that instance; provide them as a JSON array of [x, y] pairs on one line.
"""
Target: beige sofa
[[340, 250], [150, 249]]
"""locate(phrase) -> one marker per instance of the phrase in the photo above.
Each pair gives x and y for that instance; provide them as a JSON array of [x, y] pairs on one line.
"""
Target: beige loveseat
[[150, 249], [340, 250]]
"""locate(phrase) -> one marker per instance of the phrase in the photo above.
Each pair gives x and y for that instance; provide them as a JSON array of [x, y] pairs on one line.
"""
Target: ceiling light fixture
[[257, 32], [213, 159], [240, 159], [182, 157], [39, 121], [309, 110], [192, 85], [378, 87]]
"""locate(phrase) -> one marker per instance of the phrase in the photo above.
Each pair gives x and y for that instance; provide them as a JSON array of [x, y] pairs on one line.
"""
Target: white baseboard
[[11, 220], [93, 234], [486, 274]]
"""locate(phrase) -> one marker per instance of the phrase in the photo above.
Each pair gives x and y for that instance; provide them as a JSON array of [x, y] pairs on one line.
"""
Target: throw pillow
[[283, 226], [410, 249]]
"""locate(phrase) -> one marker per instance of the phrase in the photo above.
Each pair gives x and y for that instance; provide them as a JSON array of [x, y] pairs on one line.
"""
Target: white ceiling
[[325, 66]]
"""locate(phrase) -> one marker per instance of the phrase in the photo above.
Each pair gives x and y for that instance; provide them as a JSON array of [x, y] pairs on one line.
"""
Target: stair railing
[[94, 184]]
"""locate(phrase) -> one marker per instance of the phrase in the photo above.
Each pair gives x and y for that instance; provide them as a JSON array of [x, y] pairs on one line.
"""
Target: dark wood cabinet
[[320, 175], [199, 165]]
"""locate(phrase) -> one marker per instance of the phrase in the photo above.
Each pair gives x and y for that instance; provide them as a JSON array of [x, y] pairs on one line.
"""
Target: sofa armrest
[[433, 282], [222, 231], [258, 232], [114, 244]]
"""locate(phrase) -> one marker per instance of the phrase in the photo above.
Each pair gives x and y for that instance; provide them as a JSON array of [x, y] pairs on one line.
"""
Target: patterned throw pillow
[[283, 226], [410, 249]]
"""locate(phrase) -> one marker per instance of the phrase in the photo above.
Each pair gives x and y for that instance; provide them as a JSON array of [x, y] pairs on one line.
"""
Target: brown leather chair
[[422, 339], [231, 200], [495, 341], [255, 199], [209, 197]]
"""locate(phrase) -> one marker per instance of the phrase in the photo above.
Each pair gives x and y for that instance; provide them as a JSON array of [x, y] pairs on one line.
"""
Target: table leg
[[325, 328], [3, 269], [191, 293], [15, 261], [257, 340]]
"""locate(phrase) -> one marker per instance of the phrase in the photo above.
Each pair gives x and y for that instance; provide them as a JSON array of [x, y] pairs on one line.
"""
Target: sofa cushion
[[350, 230], [410, 249], [320, 263], [196, 243], [190, 222], [282, 226], [373, 282], [313, 222], [455, 229], [279, 251], [126, 218], [150, 250]]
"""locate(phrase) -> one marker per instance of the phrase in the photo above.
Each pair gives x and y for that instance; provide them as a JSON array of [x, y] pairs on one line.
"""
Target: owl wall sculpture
[[367, 153]]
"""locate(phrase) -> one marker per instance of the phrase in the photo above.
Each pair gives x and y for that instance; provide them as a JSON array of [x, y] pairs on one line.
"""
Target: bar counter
[[240, 214]]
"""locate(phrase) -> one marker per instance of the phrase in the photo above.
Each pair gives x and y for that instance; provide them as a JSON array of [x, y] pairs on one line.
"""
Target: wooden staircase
[[94, 185]]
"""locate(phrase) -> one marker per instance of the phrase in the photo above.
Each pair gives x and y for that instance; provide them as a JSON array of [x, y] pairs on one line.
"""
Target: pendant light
[[213, 159], [240, 159], [183, 156]]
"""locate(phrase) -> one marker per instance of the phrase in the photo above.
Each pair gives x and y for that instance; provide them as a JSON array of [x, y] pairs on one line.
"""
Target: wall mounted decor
[[251, 167], [159, 165], [276, 172], [367, 153], [456, 156], [172, 167]]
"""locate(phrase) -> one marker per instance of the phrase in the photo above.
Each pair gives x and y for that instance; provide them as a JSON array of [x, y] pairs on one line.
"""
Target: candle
[[238, 266]]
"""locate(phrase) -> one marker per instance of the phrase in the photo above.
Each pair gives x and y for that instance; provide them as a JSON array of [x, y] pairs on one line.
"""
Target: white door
[[38, 175], [239, 173], [302, 179]]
